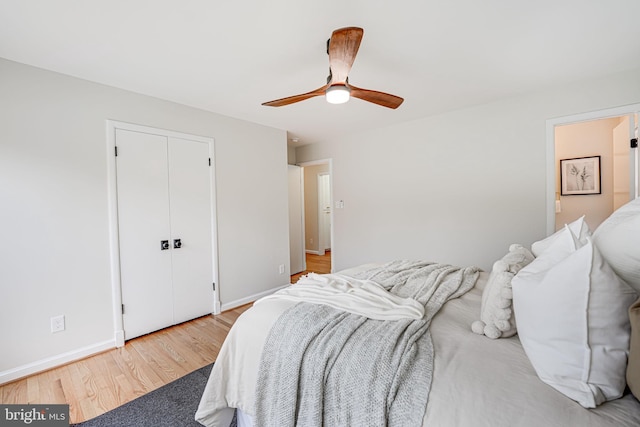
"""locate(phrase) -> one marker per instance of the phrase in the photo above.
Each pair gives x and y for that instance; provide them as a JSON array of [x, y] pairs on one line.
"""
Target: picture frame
[[580, 176]]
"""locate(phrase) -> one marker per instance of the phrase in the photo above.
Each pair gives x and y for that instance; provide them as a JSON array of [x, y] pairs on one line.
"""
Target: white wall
[[457, 187], [54, 258]]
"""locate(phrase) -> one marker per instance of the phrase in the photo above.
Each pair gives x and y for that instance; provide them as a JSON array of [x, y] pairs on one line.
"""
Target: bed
[[506, 380]]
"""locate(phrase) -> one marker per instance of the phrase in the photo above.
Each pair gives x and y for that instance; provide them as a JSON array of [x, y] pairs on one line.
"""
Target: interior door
[[190, 213], [143, 219]]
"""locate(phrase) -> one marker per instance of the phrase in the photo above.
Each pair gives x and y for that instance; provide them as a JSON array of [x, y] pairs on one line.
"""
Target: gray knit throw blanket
[[325, 367]]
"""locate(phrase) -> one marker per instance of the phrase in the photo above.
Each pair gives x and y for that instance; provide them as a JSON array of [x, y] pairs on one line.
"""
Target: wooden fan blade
[[296, 98], [380, 98], [343, 47]]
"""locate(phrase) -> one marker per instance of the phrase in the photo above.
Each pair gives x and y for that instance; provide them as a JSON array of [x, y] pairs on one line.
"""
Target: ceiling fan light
[[338, 94]]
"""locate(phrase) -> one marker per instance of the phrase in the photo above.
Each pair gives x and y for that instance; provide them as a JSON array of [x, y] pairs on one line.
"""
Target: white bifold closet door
[[165, 221]]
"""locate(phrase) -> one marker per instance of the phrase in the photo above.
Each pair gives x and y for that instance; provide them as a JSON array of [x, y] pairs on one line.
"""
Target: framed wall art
[[580, 176]]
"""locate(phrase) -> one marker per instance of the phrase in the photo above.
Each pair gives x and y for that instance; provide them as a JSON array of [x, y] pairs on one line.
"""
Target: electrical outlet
[[281, 269], [57, 324], [311, 240]]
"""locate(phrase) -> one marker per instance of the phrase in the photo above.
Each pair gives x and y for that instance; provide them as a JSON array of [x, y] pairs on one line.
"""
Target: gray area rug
[[173, 405]]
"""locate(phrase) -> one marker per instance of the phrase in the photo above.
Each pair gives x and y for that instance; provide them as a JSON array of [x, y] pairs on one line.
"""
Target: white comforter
[[476, 382]]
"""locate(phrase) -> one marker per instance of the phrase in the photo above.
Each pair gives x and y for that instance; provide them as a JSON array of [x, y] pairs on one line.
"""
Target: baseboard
[[309, 251], [251, 298], [54, 361]]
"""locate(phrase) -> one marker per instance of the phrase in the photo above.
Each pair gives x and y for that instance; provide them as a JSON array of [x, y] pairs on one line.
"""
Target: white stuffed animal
[[496, 313]]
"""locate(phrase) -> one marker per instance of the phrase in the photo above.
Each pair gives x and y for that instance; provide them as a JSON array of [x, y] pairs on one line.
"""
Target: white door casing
[[187, 181], [630, 110], [332, 237]]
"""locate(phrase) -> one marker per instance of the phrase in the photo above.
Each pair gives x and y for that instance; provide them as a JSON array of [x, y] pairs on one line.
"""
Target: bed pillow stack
[[572, 314]]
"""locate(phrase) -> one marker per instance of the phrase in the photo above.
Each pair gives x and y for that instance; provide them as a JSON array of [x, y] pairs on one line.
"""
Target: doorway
[[317, 189], [607, 135]]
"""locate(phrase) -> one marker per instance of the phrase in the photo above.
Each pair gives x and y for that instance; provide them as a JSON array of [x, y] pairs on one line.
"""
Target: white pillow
[[571, 311], [618, 239], [578, 227]]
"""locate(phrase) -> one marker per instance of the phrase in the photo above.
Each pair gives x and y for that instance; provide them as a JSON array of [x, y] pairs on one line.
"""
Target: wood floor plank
[[33, 389], [320, 264], [107, 395], [46, 385], [76, 394], [128, 373], [201, 341], [89, 403], [183, 344], [15, 392]]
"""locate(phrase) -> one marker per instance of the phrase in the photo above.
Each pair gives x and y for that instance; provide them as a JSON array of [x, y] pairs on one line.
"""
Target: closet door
[[191, 225], [143, 219]]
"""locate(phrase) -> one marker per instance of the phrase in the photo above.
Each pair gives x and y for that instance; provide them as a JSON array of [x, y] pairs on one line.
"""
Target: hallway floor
[[320, 264]]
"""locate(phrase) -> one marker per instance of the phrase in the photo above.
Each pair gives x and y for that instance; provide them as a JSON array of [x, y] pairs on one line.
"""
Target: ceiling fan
[[342, 48]]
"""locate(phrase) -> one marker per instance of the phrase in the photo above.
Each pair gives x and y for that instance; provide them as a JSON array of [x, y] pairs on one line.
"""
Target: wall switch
[[57, 324], [339, 204], [281, 269]]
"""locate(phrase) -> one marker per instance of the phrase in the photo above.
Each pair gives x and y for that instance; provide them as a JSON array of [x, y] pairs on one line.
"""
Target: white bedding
[[477, 381], [363, 297]]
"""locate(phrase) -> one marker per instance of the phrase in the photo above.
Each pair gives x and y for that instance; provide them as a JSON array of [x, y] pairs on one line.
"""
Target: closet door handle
[[177, 244], [164, 245]]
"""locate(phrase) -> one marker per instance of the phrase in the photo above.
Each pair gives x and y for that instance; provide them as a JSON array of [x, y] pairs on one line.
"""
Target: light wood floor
[[99, 383], [315, 264]]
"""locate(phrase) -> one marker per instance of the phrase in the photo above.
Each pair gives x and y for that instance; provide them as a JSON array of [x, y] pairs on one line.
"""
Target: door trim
[[322, 244], [331, 180], [551, 154], [112, 203]]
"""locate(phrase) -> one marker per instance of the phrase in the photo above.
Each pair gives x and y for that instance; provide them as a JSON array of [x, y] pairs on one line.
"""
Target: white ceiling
[[230, 56]]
